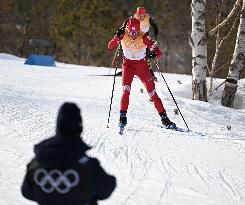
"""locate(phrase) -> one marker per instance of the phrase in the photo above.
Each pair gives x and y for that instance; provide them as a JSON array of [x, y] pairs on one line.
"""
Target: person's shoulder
[[151, 19], [83, 160], [148, 16], [145, 36], [32, 165], [141, 34], [95, 162]]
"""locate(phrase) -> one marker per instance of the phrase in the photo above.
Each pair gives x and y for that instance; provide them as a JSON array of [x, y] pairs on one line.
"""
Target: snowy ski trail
[[152, 165]]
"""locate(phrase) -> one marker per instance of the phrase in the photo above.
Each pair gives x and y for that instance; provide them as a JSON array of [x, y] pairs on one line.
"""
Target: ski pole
[[157, 64], [114, 81], [115, 57]]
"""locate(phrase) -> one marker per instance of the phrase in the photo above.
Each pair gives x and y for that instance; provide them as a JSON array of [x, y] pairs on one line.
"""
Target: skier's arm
[[154, 26], [103, 183], [119, 35], [149, 43], [114, 41]]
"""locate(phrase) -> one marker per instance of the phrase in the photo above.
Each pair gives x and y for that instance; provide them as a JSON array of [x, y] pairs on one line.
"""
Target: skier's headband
[[141, 10]]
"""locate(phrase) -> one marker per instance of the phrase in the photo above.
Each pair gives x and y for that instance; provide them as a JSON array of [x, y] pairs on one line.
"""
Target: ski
[[101, 75], [106, 75], [184, 130], [190, 132]]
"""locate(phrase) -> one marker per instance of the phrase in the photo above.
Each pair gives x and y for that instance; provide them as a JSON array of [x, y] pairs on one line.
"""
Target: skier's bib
[[133, 49], [145, 24]]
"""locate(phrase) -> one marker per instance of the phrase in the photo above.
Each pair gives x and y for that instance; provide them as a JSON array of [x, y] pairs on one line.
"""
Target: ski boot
[[166, 122], [122, 122]]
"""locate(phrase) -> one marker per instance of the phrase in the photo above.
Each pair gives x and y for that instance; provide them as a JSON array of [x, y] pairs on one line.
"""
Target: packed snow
[[152, 165]]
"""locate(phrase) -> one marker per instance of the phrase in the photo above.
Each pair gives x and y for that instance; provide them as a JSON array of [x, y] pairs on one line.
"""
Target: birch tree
[[219, 43], [198, 42], [237, 64]]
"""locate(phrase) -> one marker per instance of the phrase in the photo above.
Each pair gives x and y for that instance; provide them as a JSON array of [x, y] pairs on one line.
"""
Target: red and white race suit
[[135, 63]]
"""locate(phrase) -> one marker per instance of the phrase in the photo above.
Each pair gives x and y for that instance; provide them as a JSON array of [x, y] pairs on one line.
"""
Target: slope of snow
[[152, 165]]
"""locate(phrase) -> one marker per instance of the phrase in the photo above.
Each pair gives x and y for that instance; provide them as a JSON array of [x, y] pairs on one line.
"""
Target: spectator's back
[[61, 172]]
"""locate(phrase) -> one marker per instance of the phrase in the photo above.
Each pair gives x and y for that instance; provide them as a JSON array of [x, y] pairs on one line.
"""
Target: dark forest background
[[77, 31]]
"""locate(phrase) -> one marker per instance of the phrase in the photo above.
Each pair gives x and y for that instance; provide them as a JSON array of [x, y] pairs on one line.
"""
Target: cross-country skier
[[61, 173], [134, 43], [146, 21]]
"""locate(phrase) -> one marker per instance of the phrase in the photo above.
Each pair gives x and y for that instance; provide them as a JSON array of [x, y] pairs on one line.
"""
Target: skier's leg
[[127, 78], [145, 76]]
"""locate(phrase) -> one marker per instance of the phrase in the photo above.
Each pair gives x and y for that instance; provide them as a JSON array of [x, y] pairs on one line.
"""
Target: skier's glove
[[120, 31], [151, 55]]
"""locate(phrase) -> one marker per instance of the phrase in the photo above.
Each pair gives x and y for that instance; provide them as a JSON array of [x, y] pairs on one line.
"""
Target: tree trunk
[[214, 62], [219, 43], [198, 43], [237, 64], [229, 93], [24, 38]]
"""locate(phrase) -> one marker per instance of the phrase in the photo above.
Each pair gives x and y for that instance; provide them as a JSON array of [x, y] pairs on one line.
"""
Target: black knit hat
[[69, 120]]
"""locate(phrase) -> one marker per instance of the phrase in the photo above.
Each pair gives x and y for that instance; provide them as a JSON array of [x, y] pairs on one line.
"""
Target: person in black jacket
[[61, 173]]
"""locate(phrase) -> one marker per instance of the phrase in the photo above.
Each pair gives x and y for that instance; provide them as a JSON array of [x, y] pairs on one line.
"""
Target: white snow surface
[[152, 165]]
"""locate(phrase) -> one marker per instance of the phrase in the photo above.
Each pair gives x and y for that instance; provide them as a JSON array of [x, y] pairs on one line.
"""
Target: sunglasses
[[133, 33]]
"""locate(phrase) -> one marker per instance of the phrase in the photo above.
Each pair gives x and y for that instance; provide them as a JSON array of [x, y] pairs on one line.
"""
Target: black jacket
[[61, 173]]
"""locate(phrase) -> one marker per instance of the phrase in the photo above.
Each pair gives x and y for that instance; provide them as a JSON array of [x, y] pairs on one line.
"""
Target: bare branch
[[231, 14], [218, 46], [233, 26], [220, 68], [216, 88]]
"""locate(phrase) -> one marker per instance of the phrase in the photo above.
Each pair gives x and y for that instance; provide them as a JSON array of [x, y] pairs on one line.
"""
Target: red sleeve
[[114, 41], [149, 43]]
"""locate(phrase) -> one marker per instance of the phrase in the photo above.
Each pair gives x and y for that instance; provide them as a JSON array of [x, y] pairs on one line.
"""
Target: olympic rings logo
[[55, 180]]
